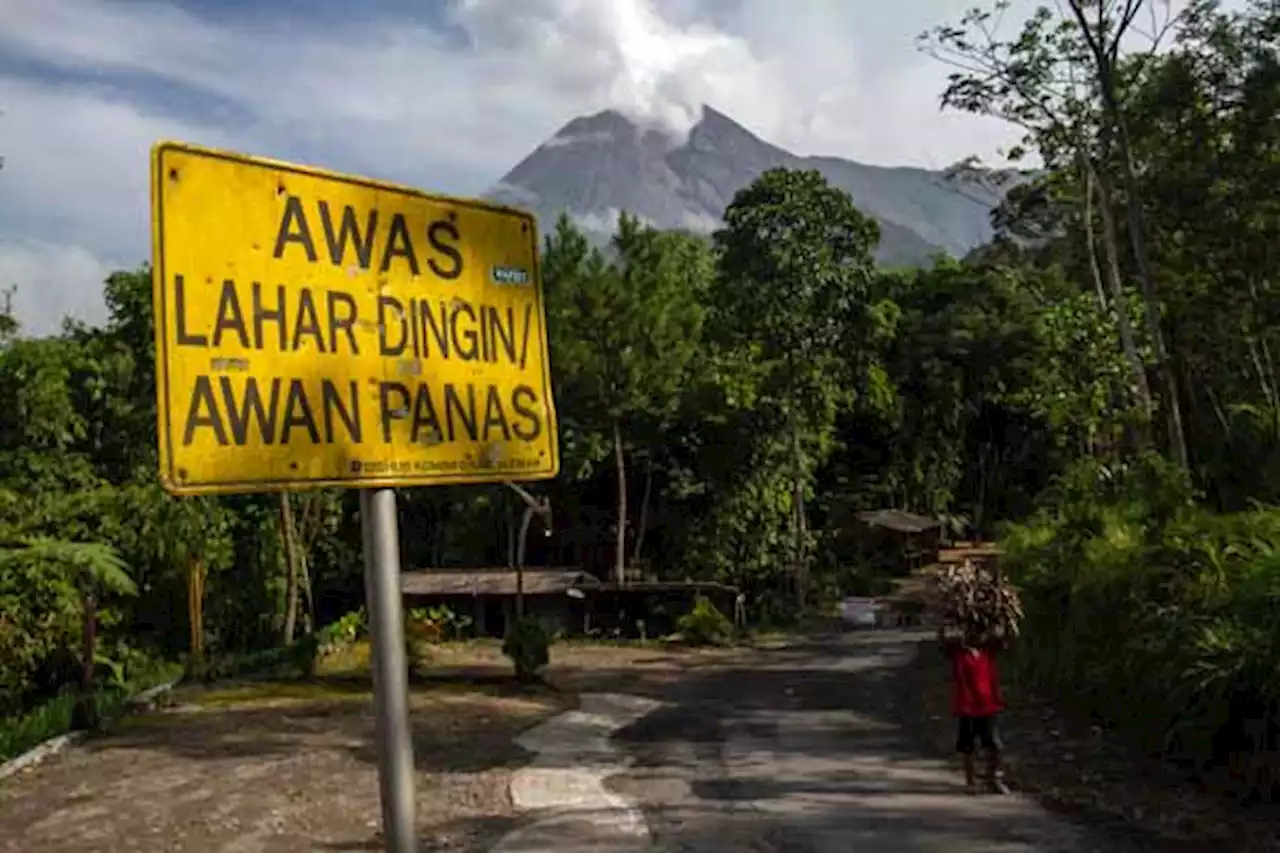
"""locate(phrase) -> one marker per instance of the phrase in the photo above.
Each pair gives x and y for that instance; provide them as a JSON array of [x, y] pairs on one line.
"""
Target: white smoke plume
[[625, 55]]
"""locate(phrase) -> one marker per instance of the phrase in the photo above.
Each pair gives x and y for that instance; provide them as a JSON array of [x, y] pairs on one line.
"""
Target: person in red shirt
[[976, 703]]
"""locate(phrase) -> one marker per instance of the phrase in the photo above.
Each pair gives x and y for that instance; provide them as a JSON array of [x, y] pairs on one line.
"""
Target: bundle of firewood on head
[[977, 606]]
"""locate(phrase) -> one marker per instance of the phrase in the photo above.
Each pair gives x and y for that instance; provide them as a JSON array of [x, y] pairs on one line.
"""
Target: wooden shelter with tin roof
[[573, 600], [488, 595], [433, 583], [912, 539]]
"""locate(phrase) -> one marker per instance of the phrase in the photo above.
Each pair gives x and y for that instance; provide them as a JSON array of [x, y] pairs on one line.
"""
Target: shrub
[[1154, 616], [528, 645], [40, 623], [130, 668], [21, 732], [297, 660], [705, 625], [304, 655], [342, 633], [68, 710], [346, 630], [435, 624]]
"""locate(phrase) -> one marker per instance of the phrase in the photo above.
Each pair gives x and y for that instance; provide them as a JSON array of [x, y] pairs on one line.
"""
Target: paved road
[[804, 753]]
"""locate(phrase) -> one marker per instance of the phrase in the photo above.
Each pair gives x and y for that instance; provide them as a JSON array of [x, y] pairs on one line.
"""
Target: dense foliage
[[1099, 383], [1149, 563]]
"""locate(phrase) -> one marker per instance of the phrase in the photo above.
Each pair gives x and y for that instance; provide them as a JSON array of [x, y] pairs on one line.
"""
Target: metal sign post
[[379, 525]]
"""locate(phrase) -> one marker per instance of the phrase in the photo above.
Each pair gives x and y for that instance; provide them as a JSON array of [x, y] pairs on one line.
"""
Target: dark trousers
[[974, 731]]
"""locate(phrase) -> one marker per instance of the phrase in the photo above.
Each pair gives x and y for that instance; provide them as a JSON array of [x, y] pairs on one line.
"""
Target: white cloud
[[74, 195], [395, 99], [604, 221], [396, 93], [621, 54], [699, 223], [49, 279], [76, 162]]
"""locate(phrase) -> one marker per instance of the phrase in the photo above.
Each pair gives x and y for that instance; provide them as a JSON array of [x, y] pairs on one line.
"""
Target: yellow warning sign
[[315, 329]]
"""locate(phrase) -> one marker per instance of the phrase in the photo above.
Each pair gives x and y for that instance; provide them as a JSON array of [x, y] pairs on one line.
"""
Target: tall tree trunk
[[620, 461], [511, 532], [642, 524], [1104, 45], [304, 585], [1219, 413], [90, 646], [802, 534], [195, 608], [1114, 283], [801, 566], [307, 531], [1090, 241], [1263, 380], [520, 551], [1155, 327], [85, 710], [1141, 258], [1115, 392], [289, 541], [1267, 360]]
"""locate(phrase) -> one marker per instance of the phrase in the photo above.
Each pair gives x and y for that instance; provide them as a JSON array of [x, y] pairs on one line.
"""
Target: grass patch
[[21, 732], [462, 668], [347, 661], [274, 692]]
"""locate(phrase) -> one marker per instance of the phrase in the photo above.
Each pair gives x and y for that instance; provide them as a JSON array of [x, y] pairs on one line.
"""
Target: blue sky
[[442, 94]]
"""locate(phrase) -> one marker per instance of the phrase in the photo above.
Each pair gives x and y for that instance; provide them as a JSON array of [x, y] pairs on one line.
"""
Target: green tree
[[174, 546], [1203, 137], [794, 272], [675, 271], [623, 333], [1066, 79], [8, 323], [39, 619], [93, 569]]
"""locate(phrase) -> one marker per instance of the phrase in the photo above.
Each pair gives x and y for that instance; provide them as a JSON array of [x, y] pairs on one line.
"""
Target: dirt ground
[[270, 766], [276, 766], [578, 667]]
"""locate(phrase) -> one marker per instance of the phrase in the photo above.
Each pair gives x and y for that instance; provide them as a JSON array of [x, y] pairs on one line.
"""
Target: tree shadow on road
[[828, 731], [457, 726], [708, 826], [470, 834]]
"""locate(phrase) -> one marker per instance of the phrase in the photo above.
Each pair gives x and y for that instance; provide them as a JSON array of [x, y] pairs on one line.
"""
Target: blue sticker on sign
[[509, 275]]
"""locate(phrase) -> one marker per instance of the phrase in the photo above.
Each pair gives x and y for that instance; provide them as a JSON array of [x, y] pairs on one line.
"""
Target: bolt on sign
[[315, 329]]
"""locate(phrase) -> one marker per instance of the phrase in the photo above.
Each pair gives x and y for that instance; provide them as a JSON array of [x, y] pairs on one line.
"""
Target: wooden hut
[[558, 596]]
